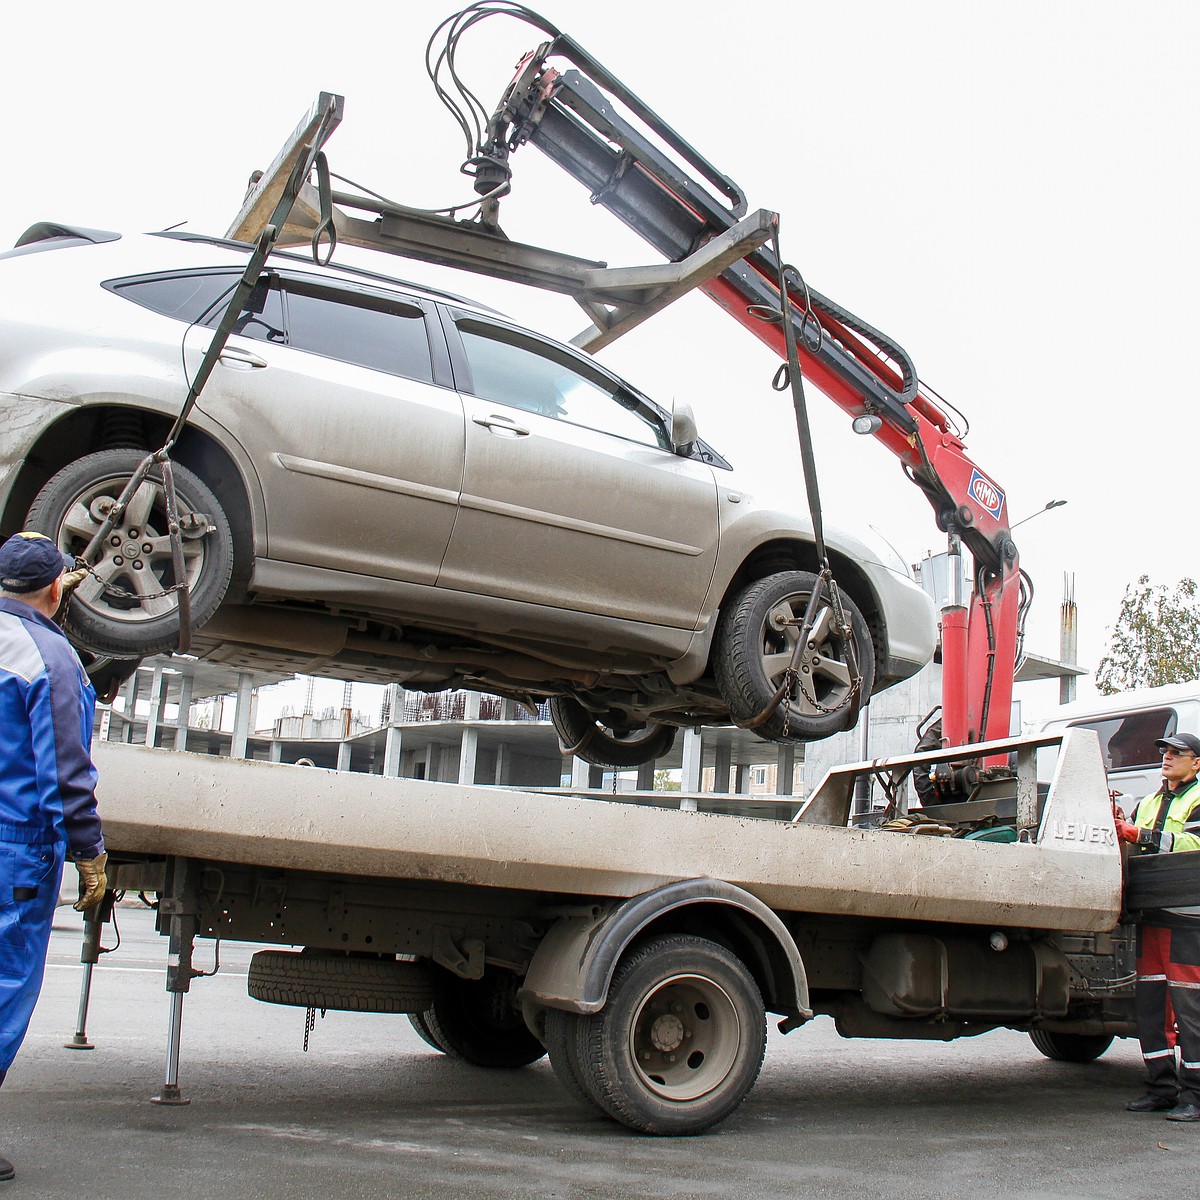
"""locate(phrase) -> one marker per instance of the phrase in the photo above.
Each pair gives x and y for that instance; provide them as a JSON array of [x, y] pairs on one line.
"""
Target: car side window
[[359, 328], [201, 297], [188, 297], [542, 379]]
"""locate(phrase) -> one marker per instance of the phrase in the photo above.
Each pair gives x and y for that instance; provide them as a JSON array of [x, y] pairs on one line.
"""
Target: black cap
[[1188, 742], [30, 562]]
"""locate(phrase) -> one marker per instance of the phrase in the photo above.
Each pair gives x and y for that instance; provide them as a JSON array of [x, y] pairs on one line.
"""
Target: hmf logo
[[989, 496], [1083, 831]]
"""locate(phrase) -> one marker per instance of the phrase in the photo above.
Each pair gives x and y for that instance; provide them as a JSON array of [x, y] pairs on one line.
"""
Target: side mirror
[[684, 433]]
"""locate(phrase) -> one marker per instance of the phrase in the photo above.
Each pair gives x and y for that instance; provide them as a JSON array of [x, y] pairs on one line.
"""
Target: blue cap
[[30, 562]]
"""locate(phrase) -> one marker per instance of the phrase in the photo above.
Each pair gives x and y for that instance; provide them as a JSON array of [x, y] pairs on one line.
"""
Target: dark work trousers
[[29, 881], [1168, 1010]]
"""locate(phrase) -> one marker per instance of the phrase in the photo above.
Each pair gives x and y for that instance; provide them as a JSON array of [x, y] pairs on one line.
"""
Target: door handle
[[499, 424], [231, 356]]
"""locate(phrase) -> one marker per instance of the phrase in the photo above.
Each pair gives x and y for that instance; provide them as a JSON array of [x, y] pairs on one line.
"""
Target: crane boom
[[652, 180]]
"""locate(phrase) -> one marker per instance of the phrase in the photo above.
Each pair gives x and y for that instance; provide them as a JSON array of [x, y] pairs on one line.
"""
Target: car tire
[[754, 643], [593, 741], [133, 620]]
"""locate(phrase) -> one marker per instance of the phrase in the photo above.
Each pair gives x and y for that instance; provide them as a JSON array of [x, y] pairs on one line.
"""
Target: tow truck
[[641, 947]]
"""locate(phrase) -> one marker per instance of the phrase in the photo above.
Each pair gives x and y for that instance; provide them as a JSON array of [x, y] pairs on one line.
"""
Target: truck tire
[[604, 745], [132, 620], [753, 646], [1070, 1047], [562, 1030], [336, 981], [479, 1021], [421, 1026], [680, 1041]]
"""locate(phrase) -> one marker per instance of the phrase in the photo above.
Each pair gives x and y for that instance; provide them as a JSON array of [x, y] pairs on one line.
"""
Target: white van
[[1128, 724]]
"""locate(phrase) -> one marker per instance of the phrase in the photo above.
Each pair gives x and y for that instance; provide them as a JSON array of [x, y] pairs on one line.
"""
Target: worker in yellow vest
[[1167, 993]]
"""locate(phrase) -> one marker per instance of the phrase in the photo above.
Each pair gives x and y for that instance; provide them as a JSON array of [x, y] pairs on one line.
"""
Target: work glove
[[93, 882], [1126, 831], [70, 581]]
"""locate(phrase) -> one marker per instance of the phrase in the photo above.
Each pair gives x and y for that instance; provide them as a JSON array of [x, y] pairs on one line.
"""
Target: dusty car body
[[388, 483]]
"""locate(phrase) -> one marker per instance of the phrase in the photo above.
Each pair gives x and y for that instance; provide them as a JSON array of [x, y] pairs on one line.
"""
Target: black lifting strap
[[825, 581]]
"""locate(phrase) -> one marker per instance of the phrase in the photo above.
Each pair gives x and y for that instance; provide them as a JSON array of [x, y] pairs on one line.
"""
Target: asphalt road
[[371, 1111]]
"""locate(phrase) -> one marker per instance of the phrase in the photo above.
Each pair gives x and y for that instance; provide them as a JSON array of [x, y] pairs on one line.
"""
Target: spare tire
[[339, 981]]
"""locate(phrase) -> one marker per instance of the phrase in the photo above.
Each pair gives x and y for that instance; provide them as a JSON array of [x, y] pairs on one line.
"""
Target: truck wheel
[[753, 646], [680, 1042], [607, 745], [562, 1043], [122, 614], [308, 980], [1070, 1047], [421, 1025], [479, 1021]]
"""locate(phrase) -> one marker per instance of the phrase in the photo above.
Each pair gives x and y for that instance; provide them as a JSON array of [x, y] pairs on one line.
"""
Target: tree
[[1156, 639]]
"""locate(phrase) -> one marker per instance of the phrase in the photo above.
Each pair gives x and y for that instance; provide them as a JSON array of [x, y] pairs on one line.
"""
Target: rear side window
[[369, 331], [189, 297], [1127, 739]]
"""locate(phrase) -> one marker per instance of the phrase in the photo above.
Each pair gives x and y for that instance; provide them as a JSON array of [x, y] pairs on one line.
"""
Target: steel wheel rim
[[824, 681], [136, 555], [685, 1038]]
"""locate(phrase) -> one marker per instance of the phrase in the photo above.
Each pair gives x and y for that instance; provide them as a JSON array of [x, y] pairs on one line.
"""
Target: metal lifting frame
[[696, 217]]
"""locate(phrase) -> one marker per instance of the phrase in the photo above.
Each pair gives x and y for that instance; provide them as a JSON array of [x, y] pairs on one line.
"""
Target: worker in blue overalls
[[47, 780]]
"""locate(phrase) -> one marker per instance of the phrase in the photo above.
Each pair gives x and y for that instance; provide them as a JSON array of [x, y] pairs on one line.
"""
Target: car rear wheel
[[754, 644], [607, 745], [126, 608]]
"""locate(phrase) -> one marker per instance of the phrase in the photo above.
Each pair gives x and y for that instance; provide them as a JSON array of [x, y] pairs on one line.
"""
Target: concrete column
[[503, 755], [468, 748], [275, 754], [471, 712], [129, 690], [343, 762], [158, 704], [508, 710], [393, 740], [580, 773], [724, 762], [785, 769], [242, 715], [645, 777], [692, 749], [185, 708], [742, 779]]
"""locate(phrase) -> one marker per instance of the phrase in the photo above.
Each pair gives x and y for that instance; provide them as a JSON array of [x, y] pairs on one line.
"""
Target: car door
[[339, 396], [571, 495]]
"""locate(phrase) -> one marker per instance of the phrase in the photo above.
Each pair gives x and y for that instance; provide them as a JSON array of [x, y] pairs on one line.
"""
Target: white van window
[[1127, 739]]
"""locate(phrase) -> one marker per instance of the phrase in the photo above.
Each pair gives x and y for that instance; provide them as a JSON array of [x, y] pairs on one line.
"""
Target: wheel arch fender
[[574, 963]]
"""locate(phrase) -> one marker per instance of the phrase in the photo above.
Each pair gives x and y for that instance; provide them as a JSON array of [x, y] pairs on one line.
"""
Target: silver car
[[388, 483]]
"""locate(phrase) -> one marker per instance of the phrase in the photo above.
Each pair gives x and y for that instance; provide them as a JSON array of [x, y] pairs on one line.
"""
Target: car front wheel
[[754, 647], [128, 607]]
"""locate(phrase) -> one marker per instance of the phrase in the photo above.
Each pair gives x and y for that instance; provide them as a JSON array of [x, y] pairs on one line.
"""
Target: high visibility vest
[[1183, 816]]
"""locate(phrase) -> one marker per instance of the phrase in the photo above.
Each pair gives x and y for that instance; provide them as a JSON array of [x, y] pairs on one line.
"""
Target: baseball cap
[[1188, 742], [30, 562]]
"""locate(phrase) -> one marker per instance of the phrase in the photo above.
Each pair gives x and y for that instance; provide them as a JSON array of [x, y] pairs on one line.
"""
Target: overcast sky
[[1008, 190]]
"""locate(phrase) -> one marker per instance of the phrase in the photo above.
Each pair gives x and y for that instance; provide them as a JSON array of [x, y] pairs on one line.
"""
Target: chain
[[112, 589], [310, 1020]]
